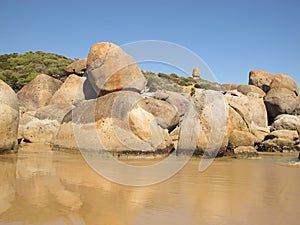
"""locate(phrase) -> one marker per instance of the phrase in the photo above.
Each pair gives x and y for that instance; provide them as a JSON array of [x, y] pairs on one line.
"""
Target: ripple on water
[[294, 162]]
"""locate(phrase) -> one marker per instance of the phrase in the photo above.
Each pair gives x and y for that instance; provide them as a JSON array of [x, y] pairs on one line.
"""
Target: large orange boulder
[[111, 69]]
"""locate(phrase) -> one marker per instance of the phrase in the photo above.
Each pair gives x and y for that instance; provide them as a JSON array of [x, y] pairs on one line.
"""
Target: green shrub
[[207, 86], [186, 81], [19, 69], [160, 81], [192, 91], [174, 75]]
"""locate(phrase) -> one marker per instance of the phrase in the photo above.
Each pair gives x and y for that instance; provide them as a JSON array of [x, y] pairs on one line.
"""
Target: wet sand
[[43, 187]]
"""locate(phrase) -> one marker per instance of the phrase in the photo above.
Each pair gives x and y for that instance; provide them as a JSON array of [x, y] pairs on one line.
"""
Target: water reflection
[[44, 187]]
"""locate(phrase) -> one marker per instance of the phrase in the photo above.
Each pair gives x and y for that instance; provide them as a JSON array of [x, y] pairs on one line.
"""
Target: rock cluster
[[282, 102], [284, 135], [118, 119], [109, 110], [282, 92], [43, 105]]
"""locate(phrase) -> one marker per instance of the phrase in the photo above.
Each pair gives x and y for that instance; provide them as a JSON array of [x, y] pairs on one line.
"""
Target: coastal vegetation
[[175, 83], [18, 70]]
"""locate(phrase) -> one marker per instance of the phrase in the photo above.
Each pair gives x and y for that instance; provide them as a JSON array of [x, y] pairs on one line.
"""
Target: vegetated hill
[[19, 69], [173, 82]]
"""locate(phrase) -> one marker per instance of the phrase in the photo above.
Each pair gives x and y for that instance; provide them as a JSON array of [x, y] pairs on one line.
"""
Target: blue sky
[[232, 37]]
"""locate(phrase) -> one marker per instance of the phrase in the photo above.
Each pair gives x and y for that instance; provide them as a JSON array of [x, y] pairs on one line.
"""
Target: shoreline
[[46, 148]]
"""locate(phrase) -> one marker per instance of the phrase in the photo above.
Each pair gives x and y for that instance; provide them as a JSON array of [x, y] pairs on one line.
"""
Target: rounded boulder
[[9, 119], [111, 69]]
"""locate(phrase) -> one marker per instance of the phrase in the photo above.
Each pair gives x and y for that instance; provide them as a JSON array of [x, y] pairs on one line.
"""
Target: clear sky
[[232, 37]]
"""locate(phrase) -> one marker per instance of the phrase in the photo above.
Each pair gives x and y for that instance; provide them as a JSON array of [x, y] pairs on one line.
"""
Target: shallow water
[[42, 187]]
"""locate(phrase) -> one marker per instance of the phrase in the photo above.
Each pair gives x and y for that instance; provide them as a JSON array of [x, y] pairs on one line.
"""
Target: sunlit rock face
[[110, 69], [9, 119], [38, 92], [282, 93], [117, 122]]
